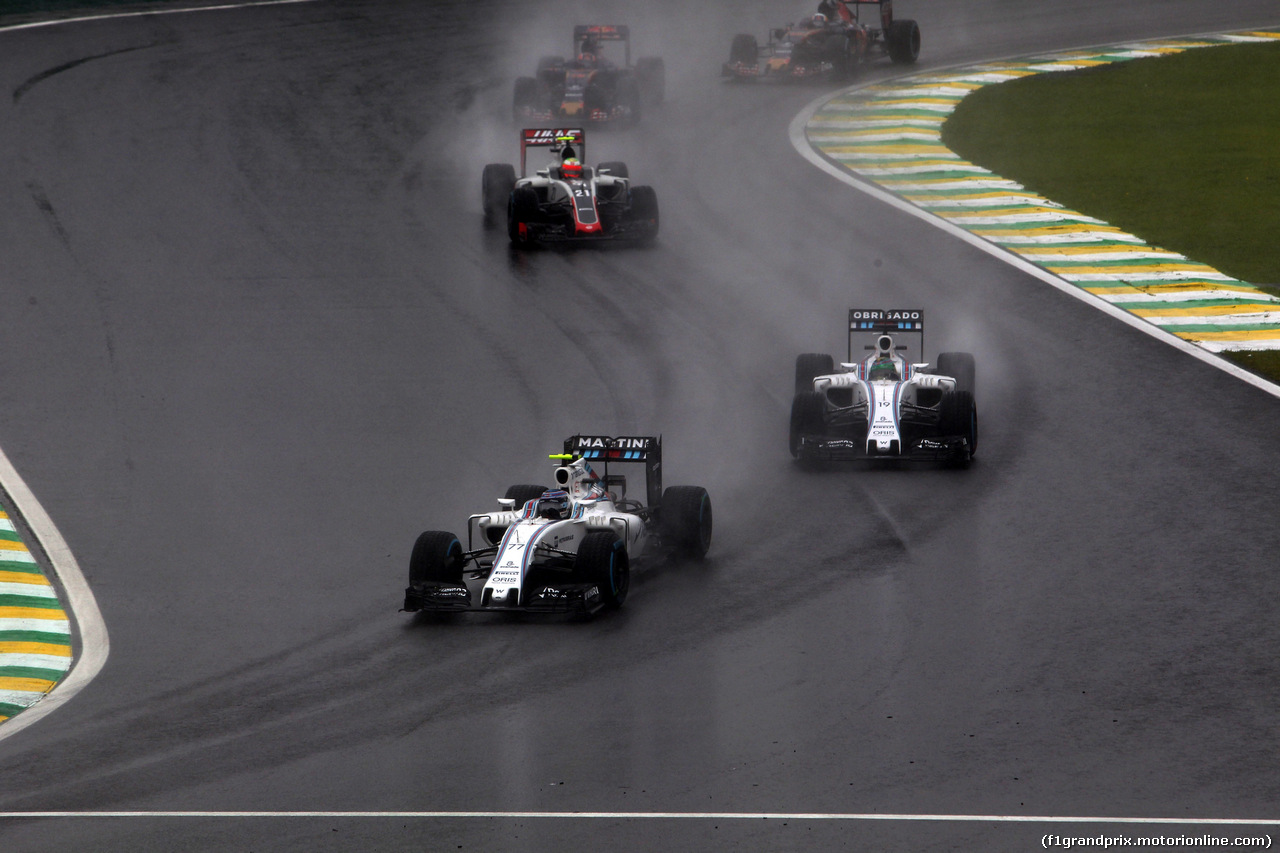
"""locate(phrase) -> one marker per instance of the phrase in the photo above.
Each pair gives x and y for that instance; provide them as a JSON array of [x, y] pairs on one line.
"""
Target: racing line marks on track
[[890, 136], [38, 670]]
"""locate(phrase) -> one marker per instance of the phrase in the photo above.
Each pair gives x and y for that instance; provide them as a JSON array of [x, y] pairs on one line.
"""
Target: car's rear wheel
[[651, 72], [903, 41], [686, 520], [436, 558], [744, 50], [616, 168], [602, 560], [807, 418], [811, 364], [961, 367], [522, 493], [524, 96], [496, 183]]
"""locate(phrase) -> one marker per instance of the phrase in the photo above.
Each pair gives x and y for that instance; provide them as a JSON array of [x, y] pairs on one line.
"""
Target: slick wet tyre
[[960, 366], [686, 520], [436, 558], [602, 560], [496, 183], [809, 365], [522, 209], [903, 41], [807, 418], [522, 493]]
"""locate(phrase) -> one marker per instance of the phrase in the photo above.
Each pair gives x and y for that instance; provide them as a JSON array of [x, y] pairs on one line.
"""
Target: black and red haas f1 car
[[591, 87], [567, 201], [568, 548], [885, 407], [830, 44]]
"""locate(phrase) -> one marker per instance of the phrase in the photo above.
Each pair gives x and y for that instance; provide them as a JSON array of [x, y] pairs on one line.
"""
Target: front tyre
[[644, 210], [602, 560], [808, 410], [958, 416], [522, 209], [496, 183], [436, 558], [686, 520]]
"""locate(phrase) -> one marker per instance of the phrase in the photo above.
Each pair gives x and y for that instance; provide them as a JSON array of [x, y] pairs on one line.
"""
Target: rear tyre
[[809, 365], [807, 411], [550, 63], [651, 73], [523, 493], [903, 41], [616, 168], [686, 520], [959, 366], [602, 560], [522, 209], [496, 184], [628, 95], [524, 97], [436, 558], [744, 50]]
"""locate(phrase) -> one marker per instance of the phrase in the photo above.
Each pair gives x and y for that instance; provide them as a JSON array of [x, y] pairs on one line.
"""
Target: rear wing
[[602, 32], [882, 320], [644, 449], [545, 137], [851, 14]]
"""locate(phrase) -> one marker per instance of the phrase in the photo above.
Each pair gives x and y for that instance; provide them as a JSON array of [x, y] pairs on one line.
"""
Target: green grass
[[1183, 151]]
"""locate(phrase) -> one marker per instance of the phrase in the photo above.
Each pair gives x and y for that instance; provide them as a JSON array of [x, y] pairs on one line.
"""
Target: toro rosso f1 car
[[884, 406], [829, 44], [569, 548], [568, 200], [591, 87]]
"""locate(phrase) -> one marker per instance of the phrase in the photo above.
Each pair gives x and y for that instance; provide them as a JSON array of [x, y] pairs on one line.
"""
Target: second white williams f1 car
[[884, 406]]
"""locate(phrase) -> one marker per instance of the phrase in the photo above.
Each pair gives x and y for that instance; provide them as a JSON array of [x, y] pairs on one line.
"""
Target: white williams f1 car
[[567, 201], [568, 548], [885, 407]]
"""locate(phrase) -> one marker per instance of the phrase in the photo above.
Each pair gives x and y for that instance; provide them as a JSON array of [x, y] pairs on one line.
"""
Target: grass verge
[[1182, 151]]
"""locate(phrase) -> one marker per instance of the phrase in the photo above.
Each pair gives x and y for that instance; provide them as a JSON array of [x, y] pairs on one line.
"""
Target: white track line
[[94, 643], [801, 144], [825, 816]]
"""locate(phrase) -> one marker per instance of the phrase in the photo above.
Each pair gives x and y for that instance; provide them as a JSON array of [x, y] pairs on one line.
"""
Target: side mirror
[[507, 503]]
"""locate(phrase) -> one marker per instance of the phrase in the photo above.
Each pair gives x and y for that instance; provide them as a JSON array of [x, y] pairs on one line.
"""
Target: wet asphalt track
[[256, 339]]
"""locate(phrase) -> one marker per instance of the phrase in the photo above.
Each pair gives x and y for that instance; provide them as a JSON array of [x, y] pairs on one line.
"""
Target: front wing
[[583, 598], [930, 449]]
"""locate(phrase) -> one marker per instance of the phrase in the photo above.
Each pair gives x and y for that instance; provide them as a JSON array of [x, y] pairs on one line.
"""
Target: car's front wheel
[[808, 409], [436, 558], [602, 560]]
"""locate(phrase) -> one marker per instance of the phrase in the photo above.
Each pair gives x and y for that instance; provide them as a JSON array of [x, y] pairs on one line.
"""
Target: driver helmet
[[818, 21], [883, 368], [553, 504], [571, 168]]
